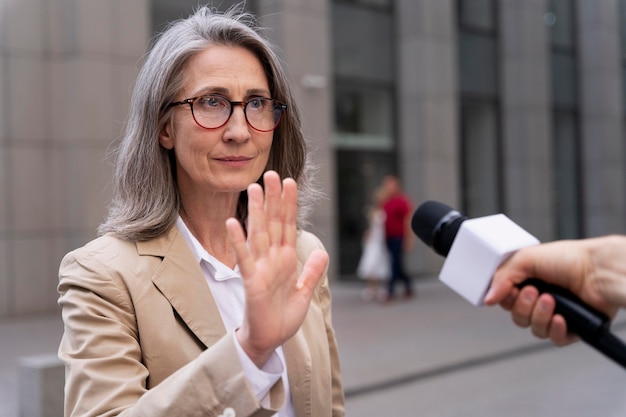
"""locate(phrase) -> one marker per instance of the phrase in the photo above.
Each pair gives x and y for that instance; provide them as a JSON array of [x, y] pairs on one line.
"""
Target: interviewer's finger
[[523, 307], [501, 292], [541, 318], [558, 332]]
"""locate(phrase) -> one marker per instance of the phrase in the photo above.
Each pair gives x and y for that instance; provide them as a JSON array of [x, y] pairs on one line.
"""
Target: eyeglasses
[[213, 111]]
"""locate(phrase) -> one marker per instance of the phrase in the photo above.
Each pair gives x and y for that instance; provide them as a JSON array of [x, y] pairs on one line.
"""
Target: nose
[[237, 128]]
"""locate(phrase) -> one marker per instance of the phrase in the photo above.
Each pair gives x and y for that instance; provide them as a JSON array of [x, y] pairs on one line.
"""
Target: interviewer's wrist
[[608, 255]]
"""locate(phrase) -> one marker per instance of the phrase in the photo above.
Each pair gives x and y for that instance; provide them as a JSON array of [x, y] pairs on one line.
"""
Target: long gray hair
[[145, 196]]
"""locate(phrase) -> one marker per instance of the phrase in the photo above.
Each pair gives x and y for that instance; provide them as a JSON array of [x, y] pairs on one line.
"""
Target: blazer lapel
[[182, 282]]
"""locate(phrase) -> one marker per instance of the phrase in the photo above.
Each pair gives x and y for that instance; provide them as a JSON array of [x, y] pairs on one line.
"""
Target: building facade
[[486, 105]]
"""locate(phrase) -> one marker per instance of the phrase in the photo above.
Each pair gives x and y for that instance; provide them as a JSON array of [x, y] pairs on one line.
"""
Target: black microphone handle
[[586, 322]]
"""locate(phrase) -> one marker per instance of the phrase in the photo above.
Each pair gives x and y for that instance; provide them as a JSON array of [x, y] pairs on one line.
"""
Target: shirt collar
[[217, 269]]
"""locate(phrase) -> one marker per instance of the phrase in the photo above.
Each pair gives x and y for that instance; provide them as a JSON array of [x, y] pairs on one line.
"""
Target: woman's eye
[[258, 103], [209, 101]]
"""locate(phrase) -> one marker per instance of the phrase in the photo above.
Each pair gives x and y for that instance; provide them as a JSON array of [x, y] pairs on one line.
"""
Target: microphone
[[474, 248]]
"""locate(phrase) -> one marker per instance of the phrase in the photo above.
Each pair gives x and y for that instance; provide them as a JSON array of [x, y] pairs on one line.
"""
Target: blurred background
[[513, 106], [486, 105]]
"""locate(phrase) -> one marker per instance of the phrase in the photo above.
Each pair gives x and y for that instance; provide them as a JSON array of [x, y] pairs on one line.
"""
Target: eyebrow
[[225, 91]]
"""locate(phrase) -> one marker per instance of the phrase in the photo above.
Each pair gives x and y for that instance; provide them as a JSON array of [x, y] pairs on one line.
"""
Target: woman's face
[[228, 158]]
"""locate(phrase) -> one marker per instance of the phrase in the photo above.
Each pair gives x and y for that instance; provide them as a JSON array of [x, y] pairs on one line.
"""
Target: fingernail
[[527, 296], [544, 305]]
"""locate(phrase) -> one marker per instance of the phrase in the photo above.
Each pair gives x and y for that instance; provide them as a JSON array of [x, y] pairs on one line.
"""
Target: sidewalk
[[433, 356], [439, 356]]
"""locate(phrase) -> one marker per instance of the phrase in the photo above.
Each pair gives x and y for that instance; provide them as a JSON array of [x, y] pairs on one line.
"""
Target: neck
[[207, 222]]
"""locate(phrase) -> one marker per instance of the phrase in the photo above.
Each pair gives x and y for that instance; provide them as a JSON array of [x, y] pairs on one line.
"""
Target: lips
[[233, 158], [234, 161]]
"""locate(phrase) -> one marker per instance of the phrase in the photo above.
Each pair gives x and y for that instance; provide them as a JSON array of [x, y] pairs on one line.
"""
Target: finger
[[290, 204], [523, 307], [503, 283], [508, 302], [313, 270], [542, 316], [257, 229], [238, 241], [273, 207], [498, 291], [558, 332]]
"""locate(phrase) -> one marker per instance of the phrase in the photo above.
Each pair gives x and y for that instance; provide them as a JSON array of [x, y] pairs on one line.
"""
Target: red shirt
[[396, 209]]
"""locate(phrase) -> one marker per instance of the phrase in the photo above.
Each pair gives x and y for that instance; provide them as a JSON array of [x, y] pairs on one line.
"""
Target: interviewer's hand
[[593, 269], [277, 300]]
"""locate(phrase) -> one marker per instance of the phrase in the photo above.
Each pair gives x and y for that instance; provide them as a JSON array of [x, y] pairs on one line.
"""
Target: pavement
[[434, 356]]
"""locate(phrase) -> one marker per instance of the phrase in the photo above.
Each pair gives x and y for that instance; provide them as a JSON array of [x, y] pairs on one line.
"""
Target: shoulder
[[113, 251], [306, 243], [105, 250]]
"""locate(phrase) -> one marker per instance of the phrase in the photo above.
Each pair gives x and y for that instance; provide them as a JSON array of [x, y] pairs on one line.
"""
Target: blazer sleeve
[[101, 350], [338, 408]]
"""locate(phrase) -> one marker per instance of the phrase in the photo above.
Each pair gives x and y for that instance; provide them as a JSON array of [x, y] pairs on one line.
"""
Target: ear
[[166, 138]]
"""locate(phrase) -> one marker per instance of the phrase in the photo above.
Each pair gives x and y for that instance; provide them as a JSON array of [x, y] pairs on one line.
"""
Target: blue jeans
[[394, 244]]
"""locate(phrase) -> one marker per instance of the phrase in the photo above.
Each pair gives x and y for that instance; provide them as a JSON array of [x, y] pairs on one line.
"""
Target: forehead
[[231, 68]]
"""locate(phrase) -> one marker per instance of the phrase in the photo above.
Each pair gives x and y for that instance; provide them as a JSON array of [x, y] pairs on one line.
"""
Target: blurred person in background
[[204, 295], [398, 234], [374, 266]]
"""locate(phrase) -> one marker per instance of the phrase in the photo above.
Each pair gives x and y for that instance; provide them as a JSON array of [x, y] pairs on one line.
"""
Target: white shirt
[[226, 286]]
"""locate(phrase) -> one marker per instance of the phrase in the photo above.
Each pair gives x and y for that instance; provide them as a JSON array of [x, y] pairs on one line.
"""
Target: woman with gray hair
[[204, 295]]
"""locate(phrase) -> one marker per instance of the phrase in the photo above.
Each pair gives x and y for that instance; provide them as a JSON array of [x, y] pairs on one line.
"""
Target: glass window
[[566, 144], [363, 117], [477, 61], [567, 175], [479, 114], [381, 4], [362, 43], [363, 137], [562, 23], [564, 88], [480, 155], [359, 174], [477, 14], [622, 23]]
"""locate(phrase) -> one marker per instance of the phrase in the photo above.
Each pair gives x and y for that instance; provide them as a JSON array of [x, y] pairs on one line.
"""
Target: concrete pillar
[[601, 117], [66, 72], [427, 109]]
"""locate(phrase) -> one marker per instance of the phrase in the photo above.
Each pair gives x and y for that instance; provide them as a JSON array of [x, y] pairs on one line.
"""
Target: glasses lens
[[211, 112], [263, 113]]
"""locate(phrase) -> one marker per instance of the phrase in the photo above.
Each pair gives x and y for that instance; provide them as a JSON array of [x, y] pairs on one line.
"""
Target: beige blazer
[[143, 337]]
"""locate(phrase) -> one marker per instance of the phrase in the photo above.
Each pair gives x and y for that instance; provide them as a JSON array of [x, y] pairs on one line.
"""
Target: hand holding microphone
[[593, 269], [476, 248]]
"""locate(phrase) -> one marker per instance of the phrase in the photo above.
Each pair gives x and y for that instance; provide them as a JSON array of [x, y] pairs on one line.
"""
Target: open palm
[[277, 293]]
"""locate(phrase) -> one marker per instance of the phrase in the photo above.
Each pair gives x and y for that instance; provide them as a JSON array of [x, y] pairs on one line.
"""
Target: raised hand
[[277, 299]]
